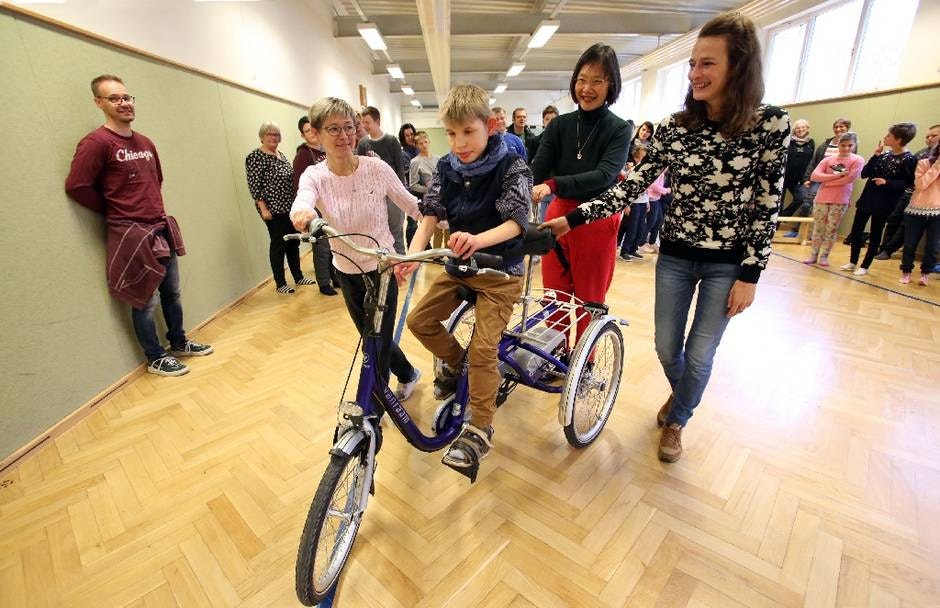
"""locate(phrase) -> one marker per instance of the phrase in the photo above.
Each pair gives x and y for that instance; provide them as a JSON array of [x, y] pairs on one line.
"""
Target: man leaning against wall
[[116, 172]]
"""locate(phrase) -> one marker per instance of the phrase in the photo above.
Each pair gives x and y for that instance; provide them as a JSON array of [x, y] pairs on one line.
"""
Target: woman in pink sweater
[[350, 192], [836, 175], [923, 215]]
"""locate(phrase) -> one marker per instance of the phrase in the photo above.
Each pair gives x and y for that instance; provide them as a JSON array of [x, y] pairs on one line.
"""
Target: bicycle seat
[[466, 294]]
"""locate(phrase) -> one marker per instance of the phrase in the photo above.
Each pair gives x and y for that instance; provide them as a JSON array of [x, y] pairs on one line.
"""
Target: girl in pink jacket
[[836, 175], [923, 216]]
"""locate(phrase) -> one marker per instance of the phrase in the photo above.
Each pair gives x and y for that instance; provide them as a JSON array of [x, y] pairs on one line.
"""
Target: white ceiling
[[477, 40]]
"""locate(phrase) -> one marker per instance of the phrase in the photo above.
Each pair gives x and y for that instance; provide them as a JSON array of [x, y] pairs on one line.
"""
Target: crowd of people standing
[[703, 190]]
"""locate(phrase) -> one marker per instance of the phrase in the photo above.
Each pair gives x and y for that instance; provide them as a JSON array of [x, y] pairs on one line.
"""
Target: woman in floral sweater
[[726, 154]]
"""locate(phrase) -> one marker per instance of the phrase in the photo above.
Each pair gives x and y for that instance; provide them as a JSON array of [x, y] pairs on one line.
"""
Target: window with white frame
[[884, 36], [672, 84], [853, 45], [628, 104]]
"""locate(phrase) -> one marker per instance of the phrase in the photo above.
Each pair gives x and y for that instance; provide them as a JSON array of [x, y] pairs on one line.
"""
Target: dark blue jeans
[[687, 360], [168, 294], [654, 221], [631, 229], [915, 226]]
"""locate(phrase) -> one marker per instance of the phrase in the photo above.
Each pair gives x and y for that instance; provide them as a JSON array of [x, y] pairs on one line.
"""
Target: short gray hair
[[268, 126], [801, 121], [330, 106]]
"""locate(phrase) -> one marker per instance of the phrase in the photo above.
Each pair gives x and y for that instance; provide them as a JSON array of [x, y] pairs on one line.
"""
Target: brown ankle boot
[[663, 413], [670, 443]]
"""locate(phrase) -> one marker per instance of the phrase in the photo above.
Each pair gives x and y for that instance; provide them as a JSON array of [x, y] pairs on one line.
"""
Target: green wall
[[64, 338], [871, 116]]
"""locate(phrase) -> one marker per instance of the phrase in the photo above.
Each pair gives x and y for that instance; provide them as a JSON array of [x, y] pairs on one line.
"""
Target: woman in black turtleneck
[[579, 157]]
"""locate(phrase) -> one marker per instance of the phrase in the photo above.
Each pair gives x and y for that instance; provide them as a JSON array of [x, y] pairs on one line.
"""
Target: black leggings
[[391, 358], [278, 226], [858, 235]]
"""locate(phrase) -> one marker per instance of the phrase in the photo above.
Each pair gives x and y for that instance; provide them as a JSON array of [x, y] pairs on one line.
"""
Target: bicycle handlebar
[[479, 263]]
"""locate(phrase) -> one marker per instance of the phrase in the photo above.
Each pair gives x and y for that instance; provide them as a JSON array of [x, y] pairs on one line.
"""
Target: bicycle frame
[[373, 389]]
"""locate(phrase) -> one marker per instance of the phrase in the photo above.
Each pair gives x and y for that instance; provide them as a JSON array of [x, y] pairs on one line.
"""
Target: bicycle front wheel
[[332, 524]]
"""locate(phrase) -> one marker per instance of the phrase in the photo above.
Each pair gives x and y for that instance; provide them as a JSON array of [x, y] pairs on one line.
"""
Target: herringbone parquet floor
[[811, 474]]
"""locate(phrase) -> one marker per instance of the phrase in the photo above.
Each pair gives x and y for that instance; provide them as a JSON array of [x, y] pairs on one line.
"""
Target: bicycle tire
[[593, 382], [313, 588]]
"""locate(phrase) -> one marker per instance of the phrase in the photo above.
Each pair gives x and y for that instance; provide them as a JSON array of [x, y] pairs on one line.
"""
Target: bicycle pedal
[[469, 471]]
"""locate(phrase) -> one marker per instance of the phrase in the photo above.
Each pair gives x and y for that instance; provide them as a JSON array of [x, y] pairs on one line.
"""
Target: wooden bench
[[803, 236]]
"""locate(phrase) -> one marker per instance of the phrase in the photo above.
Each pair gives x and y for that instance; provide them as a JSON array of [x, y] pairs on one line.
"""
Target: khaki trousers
[[495, 299]]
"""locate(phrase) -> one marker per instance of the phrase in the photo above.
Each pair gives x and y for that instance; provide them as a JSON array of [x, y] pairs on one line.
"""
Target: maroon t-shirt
[[117, 176]]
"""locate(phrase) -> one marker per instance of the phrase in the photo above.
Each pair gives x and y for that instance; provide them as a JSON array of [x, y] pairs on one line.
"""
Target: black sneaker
[[883, 255], [191, 349], [167, 365], [625, 257], [636, 256], [327, 290]]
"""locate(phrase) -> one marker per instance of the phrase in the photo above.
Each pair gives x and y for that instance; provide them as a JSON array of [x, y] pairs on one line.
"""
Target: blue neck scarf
[[494, 152]]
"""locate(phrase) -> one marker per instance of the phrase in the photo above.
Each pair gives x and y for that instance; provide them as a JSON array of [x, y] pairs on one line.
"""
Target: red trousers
[[590, 251]]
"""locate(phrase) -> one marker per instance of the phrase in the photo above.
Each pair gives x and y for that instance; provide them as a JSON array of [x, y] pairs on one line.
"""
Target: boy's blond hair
[[465, 102]]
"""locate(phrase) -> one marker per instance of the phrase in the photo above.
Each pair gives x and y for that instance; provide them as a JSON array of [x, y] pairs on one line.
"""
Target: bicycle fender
[[349, 442]]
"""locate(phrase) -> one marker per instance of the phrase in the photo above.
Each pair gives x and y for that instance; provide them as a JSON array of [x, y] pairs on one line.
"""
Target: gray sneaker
[[191, 349], [883, 255], [168, 365], [405, 389]]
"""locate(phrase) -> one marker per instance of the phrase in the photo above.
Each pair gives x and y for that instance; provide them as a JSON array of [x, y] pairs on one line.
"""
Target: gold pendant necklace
[[580, 147]]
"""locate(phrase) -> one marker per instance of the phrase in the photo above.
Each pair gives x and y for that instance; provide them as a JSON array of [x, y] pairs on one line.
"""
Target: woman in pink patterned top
[[350, 192], [836, 175]]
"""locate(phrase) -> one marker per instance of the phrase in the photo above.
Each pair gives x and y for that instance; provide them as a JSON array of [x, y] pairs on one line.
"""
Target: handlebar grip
[[488, 260]]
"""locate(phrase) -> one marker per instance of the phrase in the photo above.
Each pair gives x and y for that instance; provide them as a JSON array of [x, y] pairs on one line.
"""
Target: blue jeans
[[687, 360], [168, 294]]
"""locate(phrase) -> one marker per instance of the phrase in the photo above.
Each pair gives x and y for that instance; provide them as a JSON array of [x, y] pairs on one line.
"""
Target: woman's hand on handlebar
[[558, 226], [303, 218], [402, 270], [463, 244], [539, 192]]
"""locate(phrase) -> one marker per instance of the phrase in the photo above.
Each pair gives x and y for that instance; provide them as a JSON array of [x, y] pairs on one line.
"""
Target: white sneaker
[[405, 389], [860, 272], [850, 266]]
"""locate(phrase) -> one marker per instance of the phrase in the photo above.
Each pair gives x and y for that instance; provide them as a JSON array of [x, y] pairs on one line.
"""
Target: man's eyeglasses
[[594, 84], [335, 130], [117, 99]]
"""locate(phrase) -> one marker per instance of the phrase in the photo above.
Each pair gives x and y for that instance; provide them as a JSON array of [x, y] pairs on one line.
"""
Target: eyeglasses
[[274, 134], [335, 130], [594, 84], [117, 99]]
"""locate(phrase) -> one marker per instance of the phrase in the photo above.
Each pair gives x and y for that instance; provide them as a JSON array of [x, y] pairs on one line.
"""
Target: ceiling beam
[[434, 18], [601, 24], [464, 65]]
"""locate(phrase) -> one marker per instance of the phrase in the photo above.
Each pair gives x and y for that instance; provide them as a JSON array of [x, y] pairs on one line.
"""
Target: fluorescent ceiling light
[[543, 33], [492, 101], [515, 69], [395, 70], [407, 90], [370, 32], [197, 0], [416, 103], [499, 88]]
